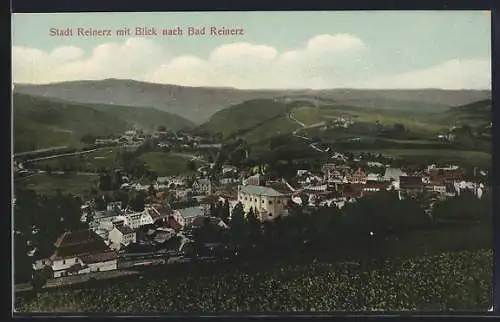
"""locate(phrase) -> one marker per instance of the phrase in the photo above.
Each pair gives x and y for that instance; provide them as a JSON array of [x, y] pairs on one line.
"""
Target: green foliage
[[444, 282], [465, 207]]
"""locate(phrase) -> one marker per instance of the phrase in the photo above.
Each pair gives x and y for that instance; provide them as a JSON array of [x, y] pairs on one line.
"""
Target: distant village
[[106, 245]]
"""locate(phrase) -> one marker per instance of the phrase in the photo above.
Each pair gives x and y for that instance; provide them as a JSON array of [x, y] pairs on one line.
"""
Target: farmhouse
[[79, 252]]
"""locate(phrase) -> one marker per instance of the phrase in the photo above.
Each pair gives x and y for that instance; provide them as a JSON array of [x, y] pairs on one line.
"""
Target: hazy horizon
[[253, 89]]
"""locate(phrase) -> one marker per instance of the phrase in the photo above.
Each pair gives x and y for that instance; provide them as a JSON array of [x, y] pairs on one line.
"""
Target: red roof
[[376, 185]]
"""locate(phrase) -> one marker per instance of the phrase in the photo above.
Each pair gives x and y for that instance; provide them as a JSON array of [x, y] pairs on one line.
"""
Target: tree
[[162, 128], [105, 182], [224, 213], [304, 198], [138, 201], [254, 228], [40, 278], [464, 208], [191, 166], [237, 223], [213, 210]]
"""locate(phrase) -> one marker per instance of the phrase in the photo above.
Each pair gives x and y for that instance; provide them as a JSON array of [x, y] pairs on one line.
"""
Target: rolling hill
[[41, 123], [249, 116], [198, 104]]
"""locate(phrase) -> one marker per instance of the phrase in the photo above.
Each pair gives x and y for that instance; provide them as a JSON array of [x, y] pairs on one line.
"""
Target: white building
[[122, 234], [267, 202], [202, 186]]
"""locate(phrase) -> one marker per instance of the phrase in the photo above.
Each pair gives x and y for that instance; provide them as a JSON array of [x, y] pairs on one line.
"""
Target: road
[[55, 148], [302, 127], [67, 154]]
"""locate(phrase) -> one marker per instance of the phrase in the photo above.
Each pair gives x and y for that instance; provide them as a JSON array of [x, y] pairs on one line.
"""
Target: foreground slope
[[444, 282]]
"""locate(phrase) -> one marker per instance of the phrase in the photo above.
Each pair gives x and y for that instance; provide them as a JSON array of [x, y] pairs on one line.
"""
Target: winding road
[[302, 127]]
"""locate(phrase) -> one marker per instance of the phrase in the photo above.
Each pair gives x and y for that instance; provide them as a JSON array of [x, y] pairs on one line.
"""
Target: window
[[76, 260], [246, 198], [279, 202], [270, 214], [263, 200], [270, 202], [255, 200], [64, 261]]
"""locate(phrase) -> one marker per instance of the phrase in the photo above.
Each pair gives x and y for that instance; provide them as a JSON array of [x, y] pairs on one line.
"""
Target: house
[[229, 169], [375, 164], [202, 186], [302, 172], [103, 217], [122, 234], [79, 252], [374, 177], [268, 202], [190, 214], [453, 173], [410, 186], [137, 219], [163, 234], [358, 176], [159, 213]]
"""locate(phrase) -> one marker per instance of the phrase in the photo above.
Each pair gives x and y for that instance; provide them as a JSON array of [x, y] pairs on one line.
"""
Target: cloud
[[453, 74], [323, 61]]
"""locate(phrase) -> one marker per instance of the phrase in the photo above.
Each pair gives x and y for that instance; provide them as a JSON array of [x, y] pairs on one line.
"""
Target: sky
[[344, 49]]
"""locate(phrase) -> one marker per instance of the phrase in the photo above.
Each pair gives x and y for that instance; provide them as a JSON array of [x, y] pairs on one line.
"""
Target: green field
[[50, 184], [271, 129], [166, 164], [472, 157], [421, 123], [91, 162]]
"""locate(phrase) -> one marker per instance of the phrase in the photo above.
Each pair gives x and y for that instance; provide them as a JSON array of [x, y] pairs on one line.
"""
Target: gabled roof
[[79, 243], [191, 212], [124, 229]]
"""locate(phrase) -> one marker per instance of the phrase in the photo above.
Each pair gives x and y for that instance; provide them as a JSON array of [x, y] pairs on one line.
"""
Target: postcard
[[252, 162]]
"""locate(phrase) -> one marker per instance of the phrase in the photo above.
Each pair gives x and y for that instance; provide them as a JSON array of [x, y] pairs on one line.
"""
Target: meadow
[[65, 183], [167, 164]]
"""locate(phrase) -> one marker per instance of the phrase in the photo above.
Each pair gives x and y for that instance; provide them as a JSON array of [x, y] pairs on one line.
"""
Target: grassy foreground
[[454, 281]]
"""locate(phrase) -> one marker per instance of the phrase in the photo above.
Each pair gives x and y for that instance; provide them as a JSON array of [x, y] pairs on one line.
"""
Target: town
[[157, 226]]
